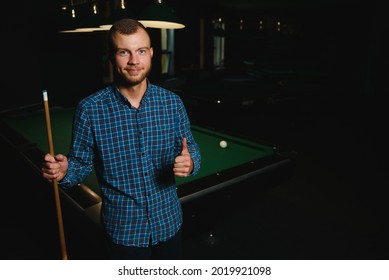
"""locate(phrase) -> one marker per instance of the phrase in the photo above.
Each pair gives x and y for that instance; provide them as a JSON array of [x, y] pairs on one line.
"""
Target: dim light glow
[[162, 24]]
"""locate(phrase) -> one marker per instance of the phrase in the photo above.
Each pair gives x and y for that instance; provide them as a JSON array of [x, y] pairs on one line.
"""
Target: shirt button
[[145, 173]]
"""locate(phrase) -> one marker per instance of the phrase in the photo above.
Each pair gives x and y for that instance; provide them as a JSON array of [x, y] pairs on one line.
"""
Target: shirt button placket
[[142, 147]]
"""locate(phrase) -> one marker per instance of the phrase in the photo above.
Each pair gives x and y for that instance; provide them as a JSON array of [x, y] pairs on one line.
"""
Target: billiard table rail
[[229, 177], [80, 197]]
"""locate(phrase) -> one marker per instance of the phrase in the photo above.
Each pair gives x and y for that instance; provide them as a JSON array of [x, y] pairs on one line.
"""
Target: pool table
[[25, 132], [216, 99]]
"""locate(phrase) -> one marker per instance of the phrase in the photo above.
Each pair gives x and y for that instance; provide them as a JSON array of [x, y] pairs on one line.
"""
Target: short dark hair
[[125, 26]]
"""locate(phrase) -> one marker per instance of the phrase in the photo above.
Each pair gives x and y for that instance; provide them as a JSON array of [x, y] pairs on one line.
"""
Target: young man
[[138, 137]]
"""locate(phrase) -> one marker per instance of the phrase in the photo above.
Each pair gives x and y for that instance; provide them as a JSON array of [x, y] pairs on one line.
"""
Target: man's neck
[[135, 93]]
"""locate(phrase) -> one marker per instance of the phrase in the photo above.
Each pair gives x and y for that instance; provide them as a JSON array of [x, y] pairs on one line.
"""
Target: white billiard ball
[[223, 144]]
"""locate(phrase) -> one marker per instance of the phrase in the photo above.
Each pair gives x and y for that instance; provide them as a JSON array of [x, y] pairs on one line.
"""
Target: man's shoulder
[[162, 92], [97, 97]]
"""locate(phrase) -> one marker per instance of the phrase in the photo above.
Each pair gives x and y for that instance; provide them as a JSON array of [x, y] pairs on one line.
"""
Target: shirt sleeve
[[185, 131], [81, 150]]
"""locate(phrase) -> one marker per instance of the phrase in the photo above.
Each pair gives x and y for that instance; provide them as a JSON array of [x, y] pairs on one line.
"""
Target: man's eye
[[122, 53]]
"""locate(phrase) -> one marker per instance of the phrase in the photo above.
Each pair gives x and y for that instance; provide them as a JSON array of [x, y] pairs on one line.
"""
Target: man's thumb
[[184, 150]]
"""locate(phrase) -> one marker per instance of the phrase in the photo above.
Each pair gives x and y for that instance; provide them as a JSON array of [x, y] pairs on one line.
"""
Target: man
[[138, 138]]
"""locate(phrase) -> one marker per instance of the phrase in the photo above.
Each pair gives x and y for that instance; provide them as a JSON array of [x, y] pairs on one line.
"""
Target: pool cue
[[55, 183]]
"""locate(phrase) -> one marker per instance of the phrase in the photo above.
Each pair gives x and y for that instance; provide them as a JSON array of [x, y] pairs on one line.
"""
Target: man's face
[[132, 57]]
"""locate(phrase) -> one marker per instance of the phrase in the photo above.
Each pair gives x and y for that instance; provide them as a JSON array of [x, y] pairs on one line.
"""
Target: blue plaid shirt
[[133, 152]]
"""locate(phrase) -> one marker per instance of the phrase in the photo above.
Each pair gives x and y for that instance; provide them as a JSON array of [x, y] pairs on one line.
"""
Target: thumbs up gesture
[[183, 164]]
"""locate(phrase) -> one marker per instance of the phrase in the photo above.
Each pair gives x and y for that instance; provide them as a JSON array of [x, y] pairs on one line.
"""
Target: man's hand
[[54, 167], [183, 164]]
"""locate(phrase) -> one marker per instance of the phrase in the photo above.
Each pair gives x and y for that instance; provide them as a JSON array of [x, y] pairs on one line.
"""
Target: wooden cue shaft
[[55, 183]]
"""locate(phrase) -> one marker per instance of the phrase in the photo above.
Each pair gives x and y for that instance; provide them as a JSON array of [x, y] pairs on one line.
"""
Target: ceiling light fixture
[[159, 15], [119, 11]]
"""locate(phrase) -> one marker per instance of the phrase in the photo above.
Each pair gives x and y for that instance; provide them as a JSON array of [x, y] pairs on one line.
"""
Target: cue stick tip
[[44, 92]]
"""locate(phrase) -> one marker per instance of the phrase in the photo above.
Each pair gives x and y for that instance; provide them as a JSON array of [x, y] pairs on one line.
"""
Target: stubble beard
[[129, 81]]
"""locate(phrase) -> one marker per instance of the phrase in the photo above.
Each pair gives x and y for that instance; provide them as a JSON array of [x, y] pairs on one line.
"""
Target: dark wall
[[70, 66]]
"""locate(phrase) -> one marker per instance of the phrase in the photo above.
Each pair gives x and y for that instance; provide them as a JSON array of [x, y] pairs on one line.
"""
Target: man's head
[[130, 51]]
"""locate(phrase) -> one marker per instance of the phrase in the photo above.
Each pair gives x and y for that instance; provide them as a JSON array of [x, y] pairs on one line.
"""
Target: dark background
[[334, 206], [345, 38]]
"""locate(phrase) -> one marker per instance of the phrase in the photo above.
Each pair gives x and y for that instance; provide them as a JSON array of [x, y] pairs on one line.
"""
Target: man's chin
[[131, 82]]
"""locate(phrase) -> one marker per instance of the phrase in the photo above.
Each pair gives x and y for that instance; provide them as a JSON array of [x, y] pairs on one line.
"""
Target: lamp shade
[[159, 15], [84, 20], [89, 23], [117, 14]]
